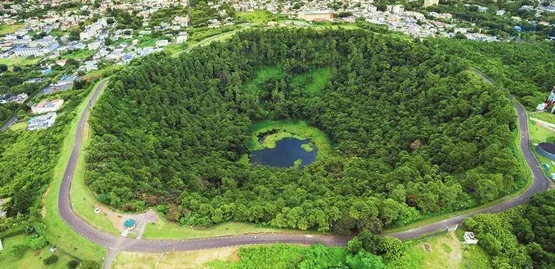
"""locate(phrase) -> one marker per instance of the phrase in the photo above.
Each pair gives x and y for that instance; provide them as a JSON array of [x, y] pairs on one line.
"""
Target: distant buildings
[[47, 106], [42, 122], [428, 3], [20, 98], [65, 83], [316, 15], [162, 43]]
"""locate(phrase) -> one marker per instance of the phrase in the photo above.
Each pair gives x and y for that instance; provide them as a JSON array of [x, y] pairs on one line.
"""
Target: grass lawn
[[19, 61], [188, 259], [79, 54], [30, 258], [263, 75], [444, 251], [259, 17], [297, 129], [166, 230], [8, 29], [19, 126], [58, 232], [545, 116], [314, 81], [540, 134]]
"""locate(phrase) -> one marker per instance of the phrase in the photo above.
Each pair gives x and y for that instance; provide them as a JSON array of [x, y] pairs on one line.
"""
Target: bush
[[50, 260], [18, 250], [72, 264]]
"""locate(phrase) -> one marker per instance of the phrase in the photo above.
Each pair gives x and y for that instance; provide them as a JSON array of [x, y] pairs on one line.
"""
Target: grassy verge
[[189, 259], [540, 134], [30, 258], [58, 232], [80, 54], [166, 230], [528, 182], [296, 129], [83, 200], [19, 61]]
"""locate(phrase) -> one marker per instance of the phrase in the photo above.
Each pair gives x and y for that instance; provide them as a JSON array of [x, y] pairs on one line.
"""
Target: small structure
[[469, 238], [42, 122], [324, 15], [547, 150], [162, 43], [129, 224], [97, 210]]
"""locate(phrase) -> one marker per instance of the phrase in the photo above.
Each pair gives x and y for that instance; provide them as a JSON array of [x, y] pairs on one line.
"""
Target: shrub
[[50, 260], [72, 264]]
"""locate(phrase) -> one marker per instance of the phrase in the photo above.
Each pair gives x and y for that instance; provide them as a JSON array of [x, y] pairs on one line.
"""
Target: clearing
[[30, 258], [189, 259]]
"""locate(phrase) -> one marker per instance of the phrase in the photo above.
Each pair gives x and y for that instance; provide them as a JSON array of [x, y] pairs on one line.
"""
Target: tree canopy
[[171, 131]]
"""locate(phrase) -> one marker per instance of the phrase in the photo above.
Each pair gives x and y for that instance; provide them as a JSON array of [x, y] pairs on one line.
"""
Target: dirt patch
[[235, 256], [427, 248], [37, 253], [43, 209]]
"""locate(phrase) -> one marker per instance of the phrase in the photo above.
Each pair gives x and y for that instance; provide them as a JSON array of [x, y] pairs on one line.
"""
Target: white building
[[42, 122], [162, 43], [181, 38], [94, 45], [47, 106]]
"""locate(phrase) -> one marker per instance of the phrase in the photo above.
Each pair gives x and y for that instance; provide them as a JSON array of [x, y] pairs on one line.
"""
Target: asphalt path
[[8, 123], [115, 243]]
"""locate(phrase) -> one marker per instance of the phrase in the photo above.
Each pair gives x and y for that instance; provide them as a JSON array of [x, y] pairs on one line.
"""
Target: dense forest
[[27, 160], [523, 237], [171, 131]]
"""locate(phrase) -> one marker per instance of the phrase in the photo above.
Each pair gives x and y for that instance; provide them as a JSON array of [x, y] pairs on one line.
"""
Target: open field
[[444, 251], [58, 232], [30, 258], [189, 259], [80, 54], [8, 29], [18, 61], [314, 81], [19, 126]]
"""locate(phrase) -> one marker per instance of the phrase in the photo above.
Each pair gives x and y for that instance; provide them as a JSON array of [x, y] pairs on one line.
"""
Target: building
[[162, 43], [42, 122], [316, 15], [428, 3], [47, 106], [181, 38]]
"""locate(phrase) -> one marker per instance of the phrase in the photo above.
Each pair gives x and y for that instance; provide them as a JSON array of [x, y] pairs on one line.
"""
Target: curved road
[[115, 244]]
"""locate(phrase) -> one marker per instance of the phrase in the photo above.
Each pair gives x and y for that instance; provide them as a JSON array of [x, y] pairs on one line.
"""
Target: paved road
[[115, 244], [8, 123]]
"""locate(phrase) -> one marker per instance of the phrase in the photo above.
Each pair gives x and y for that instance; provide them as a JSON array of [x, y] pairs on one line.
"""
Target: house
[[61, 62], [47, 106], [94, 45], [162, 43], [428, 3], [181, 38], [42, 122], [325, 15]]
